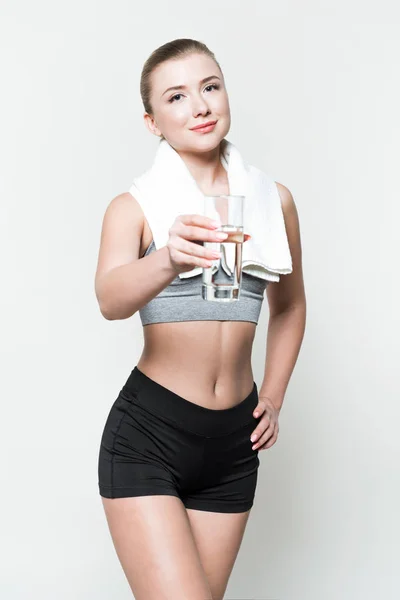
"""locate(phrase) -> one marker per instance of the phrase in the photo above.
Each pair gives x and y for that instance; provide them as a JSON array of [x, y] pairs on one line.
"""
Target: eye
[[173, 98], [212, 85]]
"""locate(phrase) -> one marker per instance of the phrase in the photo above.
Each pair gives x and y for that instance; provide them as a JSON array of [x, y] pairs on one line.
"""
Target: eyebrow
[[182, 87]]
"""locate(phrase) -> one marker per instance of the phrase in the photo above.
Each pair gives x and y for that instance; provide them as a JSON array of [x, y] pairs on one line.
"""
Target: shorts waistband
[[197, 419]]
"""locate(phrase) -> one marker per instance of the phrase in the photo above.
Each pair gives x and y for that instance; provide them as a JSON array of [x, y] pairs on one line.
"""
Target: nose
[[200, 107]]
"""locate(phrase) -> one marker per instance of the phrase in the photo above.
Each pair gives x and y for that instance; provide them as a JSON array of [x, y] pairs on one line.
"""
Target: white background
[[314, 92]]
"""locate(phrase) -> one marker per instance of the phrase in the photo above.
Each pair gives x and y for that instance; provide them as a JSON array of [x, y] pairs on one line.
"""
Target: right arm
[[122, 281]]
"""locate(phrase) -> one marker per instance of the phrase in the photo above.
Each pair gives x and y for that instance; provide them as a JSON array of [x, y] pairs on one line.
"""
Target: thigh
[[218, 538], [155, 546]]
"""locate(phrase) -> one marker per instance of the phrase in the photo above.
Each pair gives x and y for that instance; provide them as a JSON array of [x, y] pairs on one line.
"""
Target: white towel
[[168, 189]]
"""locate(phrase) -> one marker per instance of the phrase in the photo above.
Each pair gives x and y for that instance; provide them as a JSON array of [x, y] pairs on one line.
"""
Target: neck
[[205, 168]]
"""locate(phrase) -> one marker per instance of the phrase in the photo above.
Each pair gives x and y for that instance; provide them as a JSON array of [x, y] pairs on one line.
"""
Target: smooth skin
[[169, 552]]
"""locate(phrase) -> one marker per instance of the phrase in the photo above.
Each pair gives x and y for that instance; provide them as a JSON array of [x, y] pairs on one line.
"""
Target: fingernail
[[256, 414], [253, 438], [222, 235], [215, 223]]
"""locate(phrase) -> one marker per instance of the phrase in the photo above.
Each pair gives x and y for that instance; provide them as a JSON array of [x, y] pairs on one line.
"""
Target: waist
[[196, 392], [168, 404], [209, 363]]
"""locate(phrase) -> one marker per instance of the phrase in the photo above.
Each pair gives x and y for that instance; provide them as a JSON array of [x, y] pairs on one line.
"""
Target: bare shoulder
[[121, 233], [124, 203], [287, 200], [290, 216]]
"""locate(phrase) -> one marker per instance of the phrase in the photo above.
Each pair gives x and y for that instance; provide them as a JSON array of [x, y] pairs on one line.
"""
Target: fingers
[[267, 428], [188, 235], [196, 249], [263, 426], [268, 442], [203, 233], [200, 220], [270, 431]]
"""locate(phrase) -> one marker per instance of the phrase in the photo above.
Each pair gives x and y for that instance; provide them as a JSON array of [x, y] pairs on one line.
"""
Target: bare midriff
[[206, 362]]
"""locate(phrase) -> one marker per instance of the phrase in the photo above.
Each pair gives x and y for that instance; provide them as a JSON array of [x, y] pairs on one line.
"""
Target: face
[[177, 111]]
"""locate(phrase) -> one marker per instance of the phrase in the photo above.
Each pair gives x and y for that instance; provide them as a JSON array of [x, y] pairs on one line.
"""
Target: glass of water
[[221, 282]]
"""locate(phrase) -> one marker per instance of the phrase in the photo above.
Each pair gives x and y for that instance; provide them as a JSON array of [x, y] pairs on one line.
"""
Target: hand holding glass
[[222, 281]]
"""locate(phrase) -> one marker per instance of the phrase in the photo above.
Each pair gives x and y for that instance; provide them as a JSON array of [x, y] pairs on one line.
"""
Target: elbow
[[105, 309], [112, 309], [115, 314], [106, 313]]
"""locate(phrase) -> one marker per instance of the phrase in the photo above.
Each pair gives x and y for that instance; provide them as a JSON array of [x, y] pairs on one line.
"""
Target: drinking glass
[[222, 280]]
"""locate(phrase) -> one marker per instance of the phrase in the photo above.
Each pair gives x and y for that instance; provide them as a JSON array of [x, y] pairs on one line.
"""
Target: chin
[[210, 140], [207, 145]]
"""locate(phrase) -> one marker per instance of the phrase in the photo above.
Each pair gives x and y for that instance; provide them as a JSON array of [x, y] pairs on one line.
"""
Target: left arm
[[287, 305]]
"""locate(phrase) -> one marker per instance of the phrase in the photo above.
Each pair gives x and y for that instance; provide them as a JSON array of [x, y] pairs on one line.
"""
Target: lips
[[203, 125]]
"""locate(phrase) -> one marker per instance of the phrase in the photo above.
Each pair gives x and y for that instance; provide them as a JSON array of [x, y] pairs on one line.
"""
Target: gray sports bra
[[181, 300]]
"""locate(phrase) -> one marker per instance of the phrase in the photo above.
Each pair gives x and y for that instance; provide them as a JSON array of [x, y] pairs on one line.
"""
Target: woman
[[177, 468]]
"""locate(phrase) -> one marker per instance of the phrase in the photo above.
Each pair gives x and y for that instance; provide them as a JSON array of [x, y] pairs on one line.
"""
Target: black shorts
[[156, 442]]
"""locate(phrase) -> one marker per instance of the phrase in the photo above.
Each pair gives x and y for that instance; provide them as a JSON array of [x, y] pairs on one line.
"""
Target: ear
[[151, 125]]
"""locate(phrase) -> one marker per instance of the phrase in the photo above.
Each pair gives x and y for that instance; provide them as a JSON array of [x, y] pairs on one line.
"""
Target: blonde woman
[[177, 468]]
